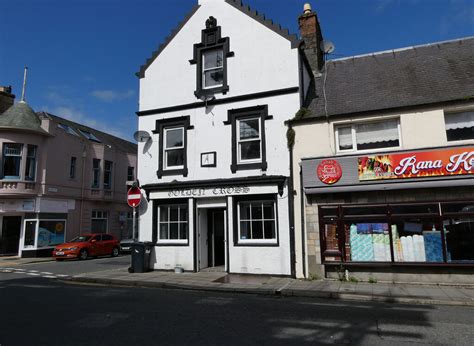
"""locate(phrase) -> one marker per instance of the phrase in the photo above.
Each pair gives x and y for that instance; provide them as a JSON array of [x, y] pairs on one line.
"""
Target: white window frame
[[447, 114], [94, 171], [204, 70], [33, 158], [20, 166], [353, 125], [239, 140], [36, 236], [258, 241], [110, 183], [168, 222], [165, 149], [100, 215]]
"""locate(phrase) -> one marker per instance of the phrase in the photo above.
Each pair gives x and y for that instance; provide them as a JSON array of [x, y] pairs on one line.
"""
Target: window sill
[[200, 93], [241, 166], [172, 243], [166, 172], [367, 151], [252, 243]]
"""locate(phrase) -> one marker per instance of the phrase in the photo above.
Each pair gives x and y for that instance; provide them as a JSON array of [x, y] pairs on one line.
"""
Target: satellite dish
[[141, 136], [327, 47]]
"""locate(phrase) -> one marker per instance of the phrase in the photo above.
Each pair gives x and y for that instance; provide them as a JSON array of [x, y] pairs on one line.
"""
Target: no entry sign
[[134, 197]]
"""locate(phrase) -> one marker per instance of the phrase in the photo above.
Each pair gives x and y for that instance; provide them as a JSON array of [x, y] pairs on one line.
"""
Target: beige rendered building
[[384, 148]]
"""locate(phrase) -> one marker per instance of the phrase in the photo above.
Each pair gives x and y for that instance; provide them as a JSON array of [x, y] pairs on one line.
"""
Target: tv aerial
[[327, 47]]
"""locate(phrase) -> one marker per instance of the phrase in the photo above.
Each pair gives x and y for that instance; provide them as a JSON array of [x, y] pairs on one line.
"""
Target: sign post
[[134, 197]]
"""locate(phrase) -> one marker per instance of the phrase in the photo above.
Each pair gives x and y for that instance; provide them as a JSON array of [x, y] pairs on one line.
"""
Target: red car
[[88, 245]]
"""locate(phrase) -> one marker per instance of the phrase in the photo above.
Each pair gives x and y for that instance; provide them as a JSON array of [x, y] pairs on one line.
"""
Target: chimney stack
[[311, 35], [6, 98]]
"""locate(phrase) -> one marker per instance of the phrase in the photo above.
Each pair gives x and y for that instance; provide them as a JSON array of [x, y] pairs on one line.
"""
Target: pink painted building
[[58, 179]]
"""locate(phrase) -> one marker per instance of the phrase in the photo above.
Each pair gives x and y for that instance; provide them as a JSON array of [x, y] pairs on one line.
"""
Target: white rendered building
[[216, 168]]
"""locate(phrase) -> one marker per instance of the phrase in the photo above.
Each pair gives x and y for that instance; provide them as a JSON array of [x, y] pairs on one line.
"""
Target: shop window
[[108, 165], [30, 233], [130, 173], [459, 126], [329, 211], [51, 232], [173, 223], [95, 173], [458, 208], [364, 210], [129, 226], [367, 241], [459, 233], [248, 138], [172, 158], [417, 240], [256, 222], [99, 221], [11, 160], [72, 167], [30, 169], [429, 209], [368, 136]]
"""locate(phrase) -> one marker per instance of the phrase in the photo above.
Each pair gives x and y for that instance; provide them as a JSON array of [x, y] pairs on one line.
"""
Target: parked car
[[126, 245], [88, 245]]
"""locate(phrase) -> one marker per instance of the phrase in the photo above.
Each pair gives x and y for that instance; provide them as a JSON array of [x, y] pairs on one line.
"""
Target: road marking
[[62, 275], [33, 274], [50, 277], [47, 273]]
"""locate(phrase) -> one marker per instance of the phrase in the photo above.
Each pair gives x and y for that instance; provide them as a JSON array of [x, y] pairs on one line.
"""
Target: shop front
[[32, 227], [232, 226], [405, 216]]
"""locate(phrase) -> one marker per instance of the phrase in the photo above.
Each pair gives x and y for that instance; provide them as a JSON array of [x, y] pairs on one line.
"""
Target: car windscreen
[[80, 239]]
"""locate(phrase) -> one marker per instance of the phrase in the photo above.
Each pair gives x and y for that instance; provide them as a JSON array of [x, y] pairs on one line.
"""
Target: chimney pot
[[307, 8]]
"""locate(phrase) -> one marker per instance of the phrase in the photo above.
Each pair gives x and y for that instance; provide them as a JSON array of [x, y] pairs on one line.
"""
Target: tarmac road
[[68, 268], [41, 311]]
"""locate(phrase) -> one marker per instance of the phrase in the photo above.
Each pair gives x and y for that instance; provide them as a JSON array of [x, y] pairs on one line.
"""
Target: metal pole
[[134, 224]]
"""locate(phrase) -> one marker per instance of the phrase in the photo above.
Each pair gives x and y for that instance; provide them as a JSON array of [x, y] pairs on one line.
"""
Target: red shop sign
[[435, 163], [329, 171]]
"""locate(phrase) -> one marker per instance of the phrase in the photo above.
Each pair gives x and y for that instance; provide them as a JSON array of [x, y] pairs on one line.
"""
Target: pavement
[[269, 285]]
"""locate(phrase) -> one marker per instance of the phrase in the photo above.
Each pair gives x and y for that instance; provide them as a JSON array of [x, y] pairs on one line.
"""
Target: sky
[[82, 55]]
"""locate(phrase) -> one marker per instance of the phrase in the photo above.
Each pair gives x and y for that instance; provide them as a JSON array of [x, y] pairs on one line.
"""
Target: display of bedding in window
[[369, 242], [424, 247]]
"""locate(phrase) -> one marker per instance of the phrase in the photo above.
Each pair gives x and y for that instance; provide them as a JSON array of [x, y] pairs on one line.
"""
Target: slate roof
[[259, 17], [420, 75], [105, 138], [21, 116]]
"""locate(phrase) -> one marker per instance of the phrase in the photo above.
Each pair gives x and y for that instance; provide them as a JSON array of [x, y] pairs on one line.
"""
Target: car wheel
[[115, 252], [83, 254]]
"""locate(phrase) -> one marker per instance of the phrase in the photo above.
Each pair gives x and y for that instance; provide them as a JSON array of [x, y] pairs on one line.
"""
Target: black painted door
[[216, 238], [10, 236]]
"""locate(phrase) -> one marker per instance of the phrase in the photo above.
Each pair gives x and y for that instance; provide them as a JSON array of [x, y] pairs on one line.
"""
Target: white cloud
[[111, 95]]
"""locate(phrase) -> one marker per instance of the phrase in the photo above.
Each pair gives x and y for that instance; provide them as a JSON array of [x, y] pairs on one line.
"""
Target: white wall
[[169, 257], [261, 259], [263, 60], [210, 134]]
